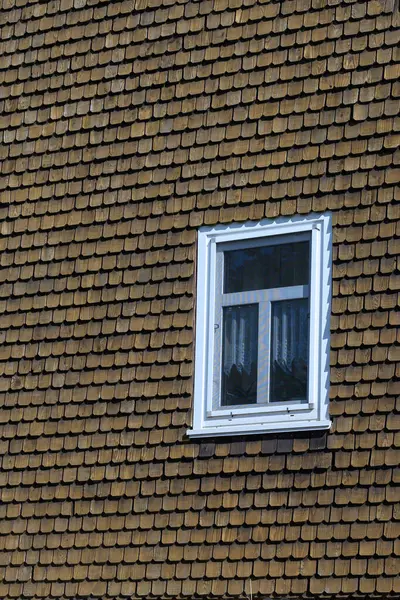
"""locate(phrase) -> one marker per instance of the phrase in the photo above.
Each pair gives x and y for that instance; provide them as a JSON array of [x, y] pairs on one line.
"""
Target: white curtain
[[289, 352], [240, 355], [241, 339], [289, 349]]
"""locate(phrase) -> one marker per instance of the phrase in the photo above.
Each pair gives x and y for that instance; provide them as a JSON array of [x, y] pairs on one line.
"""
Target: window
[[262, 327]]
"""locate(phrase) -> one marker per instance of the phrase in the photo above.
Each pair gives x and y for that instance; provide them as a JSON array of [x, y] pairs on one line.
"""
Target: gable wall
[[125, 127]]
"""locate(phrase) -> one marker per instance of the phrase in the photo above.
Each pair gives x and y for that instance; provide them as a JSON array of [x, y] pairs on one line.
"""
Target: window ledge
[[285, 426]]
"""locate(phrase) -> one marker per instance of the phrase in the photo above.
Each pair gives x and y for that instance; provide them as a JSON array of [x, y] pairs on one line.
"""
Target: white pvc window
[[262, 327]]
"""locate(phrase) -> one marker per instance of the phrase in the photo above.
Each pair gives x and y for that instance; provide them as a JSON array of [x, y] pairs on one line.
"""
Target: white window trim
[[264, 419]]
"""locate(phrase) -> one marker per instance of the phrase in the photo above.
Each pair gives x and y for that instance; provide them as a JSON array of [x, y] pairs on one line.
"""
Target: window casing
[[262, 327]]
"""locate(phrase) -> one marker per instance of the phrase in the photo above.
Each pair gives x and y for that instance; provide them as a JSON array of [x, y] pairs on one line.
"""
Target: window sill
[[257, 429]]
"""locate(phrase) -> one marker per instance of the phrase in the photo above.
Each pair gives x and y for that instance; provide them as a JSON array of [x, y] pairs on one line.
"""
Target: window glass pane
[[239, 355], [289, 350], [266, 267]]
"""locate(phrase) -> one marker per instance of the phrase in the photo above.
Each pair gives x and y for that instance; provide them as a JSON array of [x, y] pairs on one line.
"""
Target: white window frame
[[253, 419]]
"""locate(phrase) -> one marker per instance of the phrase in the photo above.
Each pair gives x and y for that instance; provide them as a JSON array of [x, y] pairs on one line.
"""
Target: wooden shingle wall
[[125, 125]]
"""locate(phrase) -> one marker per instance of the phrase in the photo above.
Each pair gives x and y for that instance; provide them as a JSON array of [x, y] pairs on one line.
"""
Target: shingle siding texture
[[124, 127]]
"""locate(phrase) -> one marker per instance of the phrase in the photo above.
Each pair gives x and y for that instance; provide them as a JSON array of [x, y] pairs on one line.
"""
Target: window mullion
[[264, 351]]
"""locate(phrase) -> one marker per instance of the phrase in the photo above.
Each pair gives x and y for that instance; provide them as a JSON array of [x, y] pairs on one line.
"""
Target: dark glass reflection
[[266, 267], [239, 355], [289, 349]]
